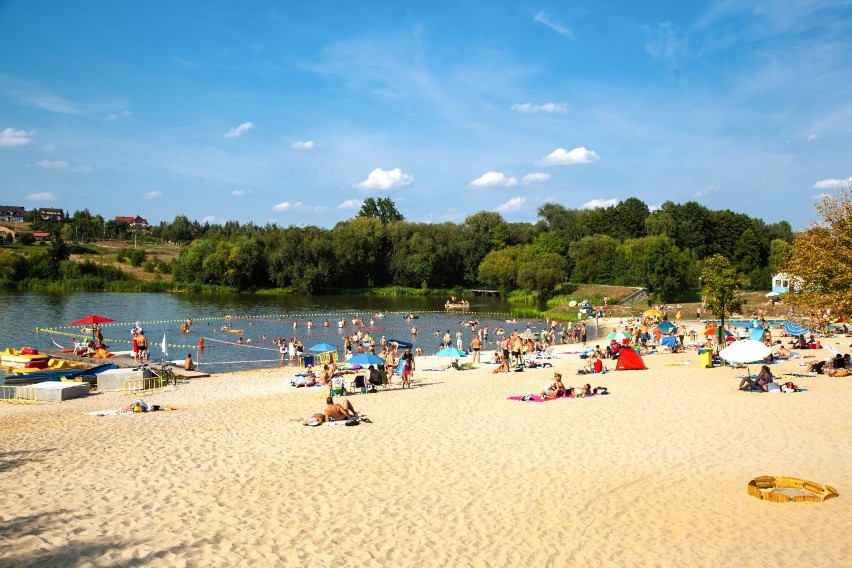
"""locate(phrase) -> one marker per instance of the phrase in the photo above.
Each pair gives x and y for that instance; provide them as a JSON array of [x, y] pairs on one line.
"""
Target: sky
[[294, 112]]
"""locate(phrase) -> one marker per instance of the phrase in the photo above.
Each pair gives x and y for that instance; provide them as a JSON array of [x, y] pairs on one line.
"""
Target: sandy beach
[[449, 473]]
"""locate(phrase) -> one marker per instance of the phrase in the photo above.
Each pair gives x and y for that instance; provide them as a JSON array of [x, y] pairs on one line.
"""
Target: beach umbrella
[[365, 359], [756, 334], [772, 294], [619, 336], [653, 313], [91, 319], [745, 351], [322, 348], [451, 352], [713, 330], [667, 327]]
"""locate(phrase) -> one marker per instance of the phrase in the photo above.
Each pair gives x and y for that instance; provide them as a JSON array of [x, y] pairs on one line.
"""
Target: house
[[42, 235], [137, 221], [49, 214], [6, 232], [782, 282], [12, 213]]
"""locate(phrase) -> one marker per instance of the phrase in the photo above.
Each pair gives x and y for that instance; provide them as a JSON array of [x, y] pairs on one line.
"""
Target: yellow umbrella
[[653, 312]]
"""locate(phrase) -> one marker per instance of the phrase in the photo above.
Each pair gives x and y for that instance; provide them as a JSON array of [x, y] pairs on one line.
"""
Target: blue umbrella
[[667, 327], [322, 348], [366, 359], [451, 352]]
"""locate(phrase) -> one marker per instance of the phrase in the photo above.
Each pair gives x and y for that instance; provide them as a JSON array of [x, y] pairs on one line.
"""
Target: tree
[[820, 266], [382, 209], [722, 284]]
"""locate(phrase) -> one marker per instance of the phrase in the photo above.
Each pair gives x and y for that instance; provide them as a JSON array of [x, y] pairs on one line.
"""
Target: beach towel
[[537, 398]]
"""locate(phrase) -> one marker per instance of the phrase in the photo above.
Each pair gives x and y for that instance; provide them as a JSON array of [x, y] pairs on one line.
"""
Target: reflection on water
[[261, 319]]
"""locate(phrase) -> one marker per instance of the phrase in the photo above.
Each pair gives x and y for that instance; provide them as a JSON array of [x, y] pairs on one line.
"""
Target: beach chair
[[337, 387], [546, 354]]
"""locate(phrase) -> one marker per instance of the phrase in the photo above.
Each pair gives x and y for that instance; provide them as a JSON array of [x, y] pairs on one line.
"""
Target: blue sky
[[294, 112]]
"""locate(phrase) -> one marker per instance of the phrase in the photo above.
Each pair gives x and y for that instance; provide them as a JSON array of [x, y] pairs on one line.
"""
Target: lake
[[259, 316]]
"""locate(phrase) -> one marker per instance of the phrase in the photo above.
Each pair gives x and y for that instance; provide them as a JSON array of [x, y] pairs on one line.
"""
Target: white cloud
[[536, 177], [492, 179], [153, 194], [563, 157], [350, 204], [811, 137], [54, 164], [238, 130], [386, 179], [304, 145], [596, 203], [240, 192], [546, 107], [512, 205], [287, 206], [209, 219], [64, 166], [832, 183], [117, 115], [12, 137], [555, 26], [706, 191], [819, 196], [45, 196]]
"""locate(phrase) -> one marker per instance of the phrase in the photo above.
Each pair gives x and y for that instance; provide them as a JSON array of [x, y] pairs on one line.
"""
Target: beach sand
[[449, 473]]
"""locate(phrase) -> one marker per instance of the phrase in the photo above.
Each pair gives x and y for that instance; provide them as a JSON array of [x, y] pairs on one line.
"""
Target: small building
[[5, 232], [12, 213], [137, 222], [42, 236], [783, 283], [50, 214]]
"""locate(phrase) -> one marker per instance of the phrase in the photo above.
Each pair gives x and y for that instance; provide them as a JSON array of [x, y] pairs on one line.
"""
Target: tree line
[[625, 244]]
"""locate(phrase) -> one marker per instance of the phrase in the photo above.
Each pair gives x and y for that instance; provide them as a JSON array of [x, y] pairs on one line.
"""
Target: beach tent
[[629, 360], [669, 341]]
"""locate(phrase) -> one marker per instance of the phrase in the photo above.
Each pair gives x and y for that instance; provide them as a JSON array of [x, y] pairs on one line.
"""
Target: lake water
[[40, 319]]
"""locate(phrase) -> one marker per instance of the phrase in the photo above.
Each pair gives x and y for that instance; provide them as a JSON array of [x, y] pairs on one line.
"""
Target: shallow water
[[40, 319]]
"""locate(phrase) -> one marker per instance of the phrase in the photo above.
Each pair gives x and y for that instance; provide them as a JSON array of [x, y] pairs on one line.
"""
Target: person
[[594, 365], [760, 382], [503, 367], [188, 364], [407, 368], [454, 365], [334, 411], [375, 376], [586, 390], [555, 389], [475, 346], [325, 375], [142, 344], [135, 345]]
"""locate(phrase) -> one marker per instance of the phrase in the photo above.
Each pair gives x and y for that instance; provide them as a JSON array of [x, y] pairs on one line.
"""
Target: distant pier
[[485, 292]]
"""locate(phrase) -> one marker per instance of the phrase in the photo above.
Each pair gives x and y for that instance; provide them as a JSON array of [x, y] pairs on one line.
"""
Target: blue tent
[[669, 341]]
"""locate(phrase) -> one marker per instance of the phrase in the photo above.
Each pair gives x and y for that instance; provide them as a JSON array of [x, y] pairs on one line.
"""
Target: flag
[[165, 347]]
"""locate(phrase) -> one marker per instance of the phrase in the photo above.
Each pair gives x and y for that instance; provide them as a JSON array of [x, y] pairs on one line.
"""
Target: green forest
[[626, 244]]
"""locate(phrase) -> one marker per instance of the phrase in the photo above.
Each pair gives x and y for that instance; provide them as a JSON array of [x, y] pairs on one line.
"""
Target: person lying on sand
[[335, 413]]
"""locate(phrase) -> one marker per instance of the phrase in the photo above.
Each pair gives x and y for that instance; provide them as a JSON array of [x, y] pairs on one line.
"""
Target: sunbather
[[760, 382], [555, 389], [334, 411], [503, 367]]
